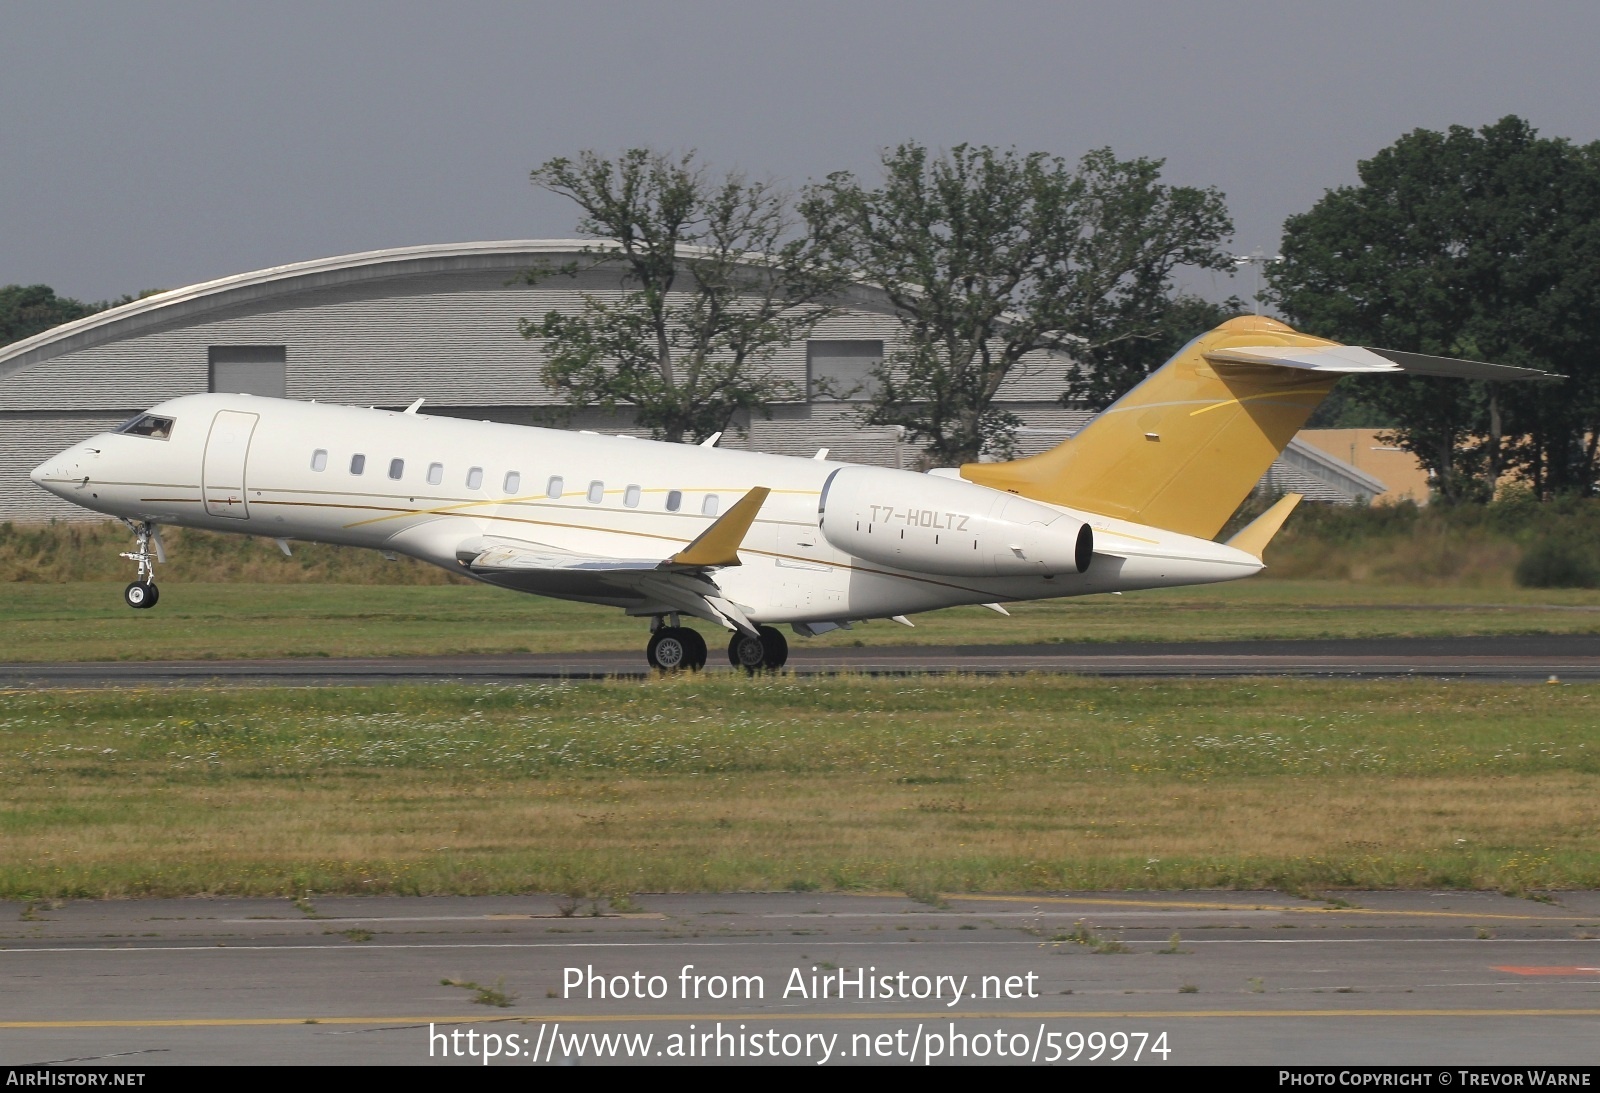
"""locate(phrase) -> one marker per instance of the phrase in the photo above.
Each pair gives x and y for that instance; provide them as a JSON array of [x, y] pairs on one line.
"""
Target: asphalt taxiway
[[1531, 658], [1446, 978]]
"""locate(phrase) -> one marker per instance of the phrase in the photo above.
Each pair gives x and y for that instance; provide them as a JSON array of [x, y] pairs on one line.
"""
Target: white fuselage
[[426, 485]]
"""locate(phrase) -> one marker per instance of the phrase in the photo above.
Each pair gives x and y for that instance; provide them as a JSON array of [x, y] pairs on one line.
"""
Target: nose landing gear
[[142, 592]]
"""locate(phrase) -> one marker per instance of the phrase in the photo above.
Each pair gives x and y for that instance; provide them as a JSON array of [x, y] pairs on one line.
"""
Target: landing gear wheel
[[676, 649], [141, 594], [769, 651], [697, 648]]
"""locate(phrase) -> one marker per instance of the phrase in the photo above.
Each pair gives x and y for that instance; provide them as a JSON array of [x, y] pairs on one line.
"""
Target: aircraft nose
[[52, 473]]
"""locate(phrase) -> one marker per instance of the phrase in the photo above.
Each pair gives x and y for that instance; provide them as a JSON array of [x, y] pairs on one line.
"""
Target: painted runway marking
[[1262, 907], [1516, 969], [733, 943], [634, 1018]]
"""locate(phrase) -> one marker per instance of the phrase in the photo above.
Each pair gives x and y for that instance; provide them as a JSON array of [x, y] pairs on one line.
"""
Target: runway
[[1443, 978], [1569, 657]]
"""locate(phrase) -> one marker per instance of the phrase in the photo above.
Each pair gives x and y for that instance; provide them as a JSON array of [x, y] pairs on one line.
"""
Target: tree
[[1168, 324], [716, 283], [1482, 244], [26, 310], [989, 256]]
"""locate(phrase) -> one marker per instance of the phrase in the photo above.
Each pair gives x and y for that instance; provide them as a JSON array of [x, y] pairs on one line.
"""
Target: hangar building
[[384, 328]]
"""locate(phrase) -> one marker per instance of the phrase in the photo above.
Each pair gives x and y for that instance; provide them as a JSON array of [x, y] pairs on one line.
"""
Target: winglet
[[718, 545], [1254, 536]]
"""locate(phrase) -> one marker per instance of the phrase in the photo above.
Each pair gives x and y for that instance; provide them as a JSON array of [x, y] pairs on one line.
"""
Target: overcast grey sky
[[147, 145]]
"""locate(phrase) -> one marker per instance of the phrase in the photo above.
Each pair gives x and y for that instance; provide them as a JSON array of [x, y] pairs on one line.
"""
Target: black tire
[[747, 653], [768, 652], [776, 647], [670, 650], [697, 649], [140, 595]]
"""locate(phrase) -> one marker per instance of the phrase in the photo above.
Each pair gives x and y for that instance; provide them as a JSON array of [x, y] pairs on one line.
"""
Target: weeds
[[1174, 946], [1083, 934], [496, 995], [1256, 984]]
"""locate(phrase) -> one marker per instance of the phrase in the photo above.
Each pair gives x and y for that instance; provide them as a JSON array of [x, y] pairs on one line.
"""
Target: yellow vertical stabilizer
[[1185, 447]]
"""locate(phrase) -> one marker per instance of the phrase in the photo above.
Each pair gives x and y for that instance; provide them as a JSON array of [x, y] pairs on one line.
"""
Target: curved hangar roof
[[195, 301], [439, 320]]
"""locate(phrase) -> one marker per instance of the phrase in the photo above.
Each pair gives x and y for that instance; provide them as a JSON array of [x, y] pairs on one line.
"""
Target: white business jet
[[740, 539]]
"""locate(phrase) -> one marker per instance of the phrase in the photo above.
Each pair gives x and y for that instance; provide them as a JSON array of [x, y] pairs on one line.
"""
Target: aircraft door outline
[[222, 476]]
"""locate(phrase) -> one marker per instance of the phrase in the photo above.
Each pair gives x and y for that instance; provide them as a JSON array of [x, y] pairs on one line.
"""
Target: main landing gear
[[142, 592], [765, 653], [676, 648]]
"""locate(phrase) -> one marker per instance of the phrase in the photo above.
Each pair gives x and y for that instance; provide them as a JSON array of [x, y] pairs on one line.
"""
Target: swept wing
[[683, 581]]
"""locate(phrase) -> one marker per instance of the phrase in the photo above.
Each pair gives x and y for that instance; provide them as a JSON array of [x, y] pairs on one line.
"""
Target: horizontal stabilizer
[[1348, 359]]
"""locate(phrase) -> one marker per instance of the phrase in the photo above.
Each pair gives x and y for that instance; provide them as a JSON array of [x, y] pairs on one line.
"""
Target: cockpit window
[[157, 428]]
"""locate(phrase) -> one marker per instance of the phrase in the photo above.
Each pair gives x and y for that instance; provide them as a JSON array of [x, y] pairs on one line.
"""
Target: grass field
[[1337, 573], [944, 784], [55, 622]]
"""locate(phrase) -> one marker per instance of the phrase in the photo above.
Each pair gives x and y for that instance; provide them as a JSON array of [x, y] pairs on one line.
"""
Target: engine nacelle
[[929, 524]]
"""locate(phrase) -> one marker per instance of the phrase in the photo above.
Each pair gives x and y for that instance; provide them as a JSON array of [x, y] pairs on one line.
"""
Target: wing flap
[[513, 556]]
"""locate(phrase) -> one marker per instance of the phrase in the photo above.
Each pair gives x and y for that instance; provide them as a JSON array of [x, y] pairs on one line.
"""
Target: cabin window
[[555, 487], [513, 481], [319, 459], [397, 468], [156, 428], [674, 500], [630, 497], [475, 478], [708, 507], [358, 464], [597, 492], [435, 473]]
